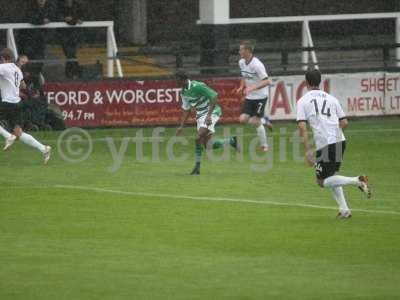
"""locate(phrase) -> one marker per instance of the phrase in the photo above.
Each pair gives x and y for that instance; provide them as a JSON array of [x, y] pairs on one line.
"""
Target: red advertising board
[[122, 103]]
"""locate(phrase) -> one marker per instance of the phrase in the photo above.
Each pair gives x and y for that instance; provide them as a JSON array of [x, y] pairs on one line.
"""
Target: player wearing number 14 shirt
[[326, 118], [11, 79]]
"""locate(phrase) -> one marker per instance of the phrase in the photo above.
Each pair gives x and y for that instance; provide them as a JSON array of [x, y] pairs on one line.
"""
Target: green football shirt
[[199, 95]]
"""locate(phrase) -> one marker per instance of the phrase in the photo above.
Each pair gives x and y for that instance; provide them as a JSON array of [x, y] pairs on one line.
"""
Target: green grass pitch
[[147, 230]]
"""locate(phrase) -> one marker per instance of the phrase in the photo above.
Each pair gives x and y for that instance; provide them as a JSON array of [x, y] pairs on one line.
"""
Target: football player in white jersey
[[11, 79], [326, 118], [254, 87]]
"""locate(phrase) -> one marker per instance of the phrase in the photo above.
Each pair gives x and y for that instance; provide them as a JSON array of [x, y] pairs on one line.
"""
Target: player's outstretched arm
[[241, 88], [184, 117], [211, 95], [260, 85], [304, 138], [343, 123], [213, 104]]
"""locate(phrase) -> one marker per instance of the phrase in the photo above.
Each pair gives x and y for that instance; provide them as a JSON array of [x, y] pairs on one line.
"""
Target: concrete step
[[132, 66]]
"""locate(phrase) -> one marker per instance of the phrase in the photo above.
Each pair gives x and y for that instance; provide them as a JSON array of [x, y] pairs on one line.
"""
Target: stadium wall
[[123, 103], [181, 17]]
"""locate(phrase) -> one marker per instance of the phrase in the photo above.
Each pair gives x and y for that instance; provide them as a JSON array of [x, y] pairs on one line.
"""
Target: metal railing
[[307, 41], [281, 60], [112, 48]]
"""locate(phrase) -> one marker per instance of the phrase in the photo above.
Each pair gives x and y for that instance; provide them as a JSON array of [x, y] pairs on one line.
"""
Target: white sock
[[31, 141], [340, 199], [338, 180], [4, 133], [262, 135]]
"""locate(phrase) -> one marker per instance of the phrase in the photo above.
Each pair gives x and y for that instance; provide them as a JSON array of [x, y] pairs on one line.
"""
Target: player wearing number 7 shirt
[[11, 79], [326, 118], [254, 88]]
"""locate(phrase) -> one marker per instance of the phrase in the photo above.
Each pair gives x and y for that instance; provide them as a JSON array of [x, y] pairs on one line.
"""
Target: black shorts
[[254, 108], [11, 115], [329, 159]]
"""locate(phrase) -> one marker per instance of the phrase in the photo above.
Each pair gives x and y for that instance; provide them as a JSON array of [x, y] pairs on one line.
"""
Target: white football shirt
[[323, 112], [253, 73], [10, 81]]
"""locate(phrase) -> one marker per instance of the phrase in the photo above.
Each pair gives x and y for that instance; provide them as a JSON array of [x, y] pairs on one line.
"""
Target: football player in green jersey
[[196, 94]]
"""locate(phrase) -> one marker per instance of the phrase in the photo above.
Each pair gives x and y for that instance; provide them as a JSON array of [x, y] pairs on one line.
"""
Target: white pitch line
[[221, 199], [275, 133]]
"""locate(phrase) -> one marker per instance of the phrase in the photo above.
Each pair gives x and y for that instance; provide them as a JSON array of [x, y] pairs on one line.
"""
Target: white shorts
[[201, 122]]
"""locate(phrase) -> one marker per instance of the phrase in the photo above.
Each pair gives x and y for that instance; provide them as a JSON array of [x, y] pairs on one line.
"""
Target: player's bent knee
[[201, 138], [320, 182], [17, 131], [255, 122], [207, 140], [243, 119]]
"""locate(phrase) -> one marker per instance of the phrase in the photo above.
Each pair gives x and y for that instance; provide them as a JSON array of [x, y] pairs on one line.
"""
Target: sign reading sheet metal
[[369, 93], [360, 94], [124, 103]]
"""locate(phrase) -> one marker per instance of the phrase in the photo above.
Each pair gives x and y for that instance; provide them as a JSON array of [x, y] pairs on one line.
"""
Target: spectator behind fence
[[71, 12], [33, 77], [22, 61], [33, 41]]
